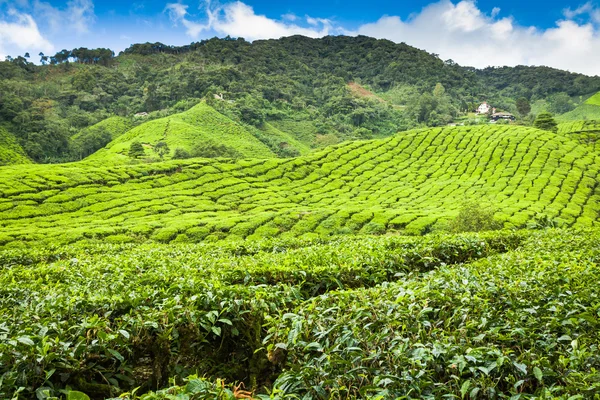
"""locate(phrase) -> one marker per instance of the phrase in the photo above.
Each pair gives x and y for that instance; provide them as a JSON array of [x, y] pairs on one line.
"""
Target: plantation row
[[412, 183], [502, 313]]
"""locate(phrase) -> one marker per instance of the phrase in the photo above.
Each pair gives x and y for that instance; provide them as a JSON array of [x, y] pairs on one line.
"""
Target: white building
[[484, 108]]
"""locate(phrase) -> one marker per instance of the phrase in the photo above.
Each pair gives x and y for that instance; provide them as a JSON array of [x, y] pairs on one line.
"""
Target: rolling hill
[[10, 151], [200, 125], [410, 183]]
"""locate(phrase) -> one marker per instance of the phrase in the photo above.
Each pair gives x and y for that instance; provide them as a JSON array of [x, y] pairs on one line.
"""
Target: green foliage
[[291, 82], [523, 106], [181, 154], [10, 151], [284, 315], [546, 122], [401, 340], [594, 100], [214, 150], [161, 148]]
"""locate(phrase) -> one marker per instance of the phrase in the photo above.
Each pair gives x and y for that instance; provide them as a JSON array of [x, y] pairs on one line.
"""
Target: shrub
[[474, 217], [214, 150], [136, 150], [545, 122], [181, 154]]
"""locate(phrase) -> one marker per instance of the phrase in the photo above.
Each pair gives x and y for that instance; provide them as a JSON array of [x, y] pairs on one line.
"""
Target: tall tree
[[523, 106]]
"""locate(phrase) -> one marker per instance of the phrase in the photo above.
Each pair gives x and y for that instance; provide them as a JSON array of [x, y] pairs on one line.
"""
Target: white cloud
[[178, 14], [238, 19], [19, 32], [77, 16], [462, 32], [588, 9], [290, 17]]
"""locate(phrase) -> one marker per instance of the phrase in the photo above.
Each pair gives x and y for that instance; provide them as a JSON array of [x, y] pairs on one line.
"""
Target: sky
[[560, 34]]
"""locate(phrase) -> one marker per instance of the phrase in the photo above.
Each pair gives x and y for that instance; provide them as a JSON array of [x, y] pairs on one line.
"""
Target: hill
[[95, 137], [199, 126], [10, 151], [410, 183], [589, 110], [294, 82]]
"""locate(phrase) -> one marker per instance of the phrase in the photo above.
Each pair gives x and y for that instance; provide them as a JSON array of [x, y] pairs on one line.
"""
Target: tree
[[546, 122], [523, 106], [136, 150], [161, 148], [560, 103], [439, 90]]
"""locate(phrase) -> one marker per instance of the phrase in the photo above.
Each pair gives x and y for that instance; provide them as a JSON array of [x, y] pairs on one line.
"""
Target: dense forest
[[300, 83]]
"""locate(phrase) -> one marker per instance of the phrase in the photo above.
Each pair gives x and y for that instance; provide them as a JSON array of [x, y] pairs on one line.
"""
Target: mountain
[[297, 85], [411, 183], [10, 151]]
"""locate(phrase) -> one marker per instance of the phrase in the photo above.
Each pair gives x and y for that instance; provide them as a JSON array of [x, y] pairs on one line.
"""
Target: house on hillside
[[483, 108], [502, 115]]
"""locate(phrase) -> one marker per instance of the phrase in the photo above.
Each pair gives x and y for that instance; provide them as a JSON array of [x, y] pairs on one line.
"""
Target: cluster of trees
[[296, 78]]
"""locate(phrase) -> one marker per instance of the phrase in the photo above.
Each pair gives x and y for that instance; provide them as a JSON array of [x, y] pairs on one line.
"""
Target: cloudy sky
[[561, 34]]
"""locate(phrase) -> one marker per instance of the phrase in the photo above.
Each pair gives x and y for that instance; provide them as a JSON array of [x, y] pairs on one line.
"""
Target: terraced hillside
[[199, 125], [10, 151], [410, 183], [585, 132]]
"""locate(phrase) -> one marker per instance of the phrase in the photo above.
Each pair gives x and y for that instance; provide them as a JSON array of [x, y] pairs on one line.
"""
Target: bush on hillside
[[136, 150], [214, 150], [474, 217], [546, 122], [181, 154], [161, 148]]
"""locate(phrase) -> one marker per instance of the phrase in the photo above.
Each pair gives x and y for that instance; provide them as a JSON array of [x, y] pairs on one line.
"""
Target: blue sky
[[562, 34]]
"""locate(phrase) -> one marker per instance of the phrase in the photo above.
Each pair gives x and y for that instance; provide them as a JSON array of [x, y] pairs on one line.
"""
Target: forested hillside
[[295, 88]]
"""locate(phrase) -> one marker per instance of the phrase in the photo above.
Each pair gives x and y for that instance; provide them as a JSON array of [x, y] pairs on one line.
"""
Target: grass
[[10, 151], [412, 183], [200, 124]]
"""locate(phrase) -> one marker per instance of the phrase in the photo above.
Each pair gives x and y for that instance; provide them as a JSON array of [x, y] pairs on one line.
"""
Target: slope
[[409, 183], [589, 110], [10, 151], [199, 125]]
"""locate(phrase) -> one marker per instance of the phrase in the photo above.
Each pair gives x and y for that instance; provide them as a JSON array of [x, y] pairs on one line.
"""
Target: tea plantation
[[411, 183], [324, 276], [492, 315], [200, 124]]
